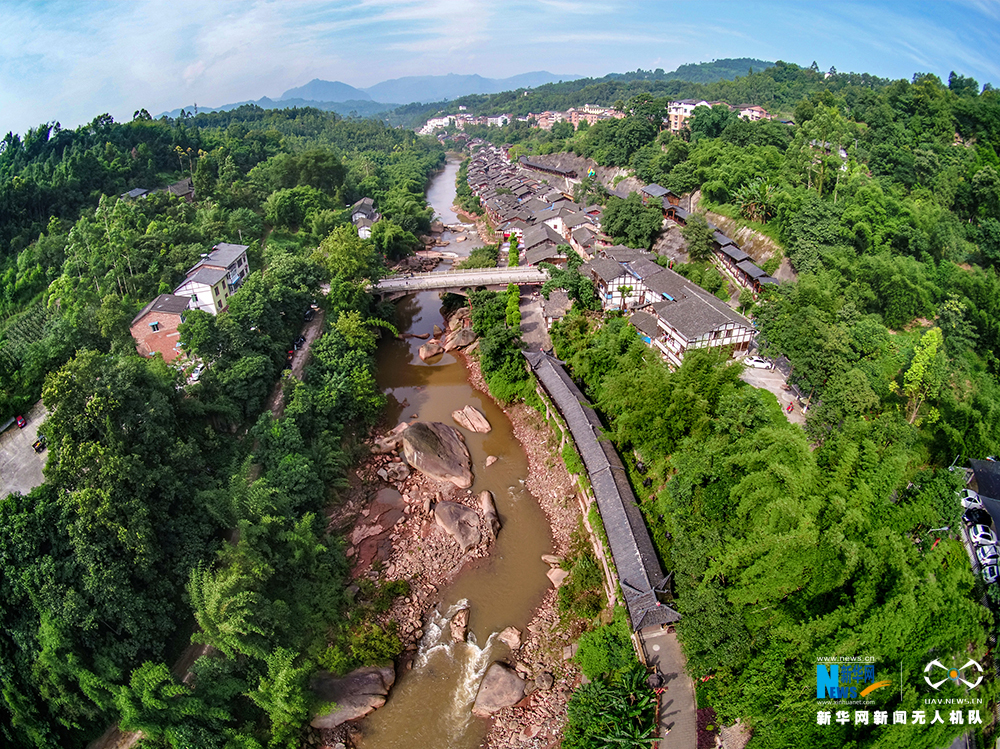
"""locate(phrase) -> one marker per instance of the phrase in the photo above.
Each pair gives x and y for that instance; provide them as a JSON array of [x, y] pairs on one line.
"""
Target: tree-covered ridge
[[294, 171], [783, 552], [777, 87], [169, 504]]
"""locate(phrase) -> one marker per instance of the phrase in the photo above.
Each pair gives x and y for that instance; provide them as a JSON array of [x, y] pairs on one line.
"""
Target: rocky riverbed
[[538, 720], [392, 534]]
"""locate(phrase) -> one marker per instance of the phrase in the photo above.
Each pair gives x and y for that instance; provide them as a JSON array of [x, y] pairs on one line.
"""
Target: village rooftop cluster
[[678, 113], [670, 312]]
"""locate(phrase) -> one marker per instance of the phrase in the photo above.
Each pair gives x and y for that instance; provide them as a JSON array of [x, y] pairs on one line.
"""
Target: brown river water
[[430, 705]]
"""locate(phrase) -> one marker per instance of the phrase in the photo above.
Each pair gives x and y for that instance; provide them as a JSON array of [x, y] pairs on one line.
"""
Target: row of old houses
[[670, 313], [731, 257], [207, 286], [541, 217]]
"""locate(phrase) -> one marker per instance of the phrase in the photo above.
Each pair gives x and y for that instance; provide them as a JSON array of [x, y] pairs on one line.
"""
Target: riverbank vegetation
[[499, 348], [464, 198], [485, 256], [169, 503], [617, 707]]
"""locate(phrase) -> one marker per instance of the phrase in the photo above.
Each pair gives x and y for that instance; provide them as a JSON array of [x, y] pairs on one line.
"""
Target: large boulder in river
[[460, 339], [472, 419], [461, 523], [489, 513], [459, 625], [500, 688], [354, 695], [430, 349], [438, 450]]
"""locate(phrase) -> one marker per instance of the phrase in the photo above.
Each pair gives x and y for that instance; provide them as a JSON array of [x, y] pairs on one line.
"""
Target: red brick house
[[155, 327]]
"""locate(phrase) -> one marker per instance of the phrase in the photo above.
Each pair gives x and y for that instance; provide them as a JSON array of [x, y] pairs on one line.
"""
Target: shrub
[[571, 459], [607, 650]]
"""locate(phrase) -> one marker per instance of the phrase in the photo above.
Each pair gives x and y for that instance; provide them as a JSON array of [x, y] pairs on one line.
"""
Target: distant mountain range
[[427, 88], [361, 108], [342, 98]]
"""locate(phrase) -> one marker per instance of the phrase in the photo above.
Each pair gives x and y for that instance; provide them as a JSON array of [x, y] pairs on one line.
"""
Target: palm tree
[[756, 200], [625, 291]]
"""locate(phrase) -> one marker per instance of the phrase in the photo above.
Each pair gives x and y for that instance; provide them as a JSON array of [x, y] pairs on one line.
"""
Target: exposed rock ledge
[[354, 695]]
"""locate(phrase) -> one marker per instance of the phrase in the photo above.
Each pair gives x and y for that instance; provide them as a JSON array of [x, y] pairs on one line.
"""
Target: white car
[[970, 499], [991, 573], [982, 536], [196, 374], [987, 555], [757, 362]]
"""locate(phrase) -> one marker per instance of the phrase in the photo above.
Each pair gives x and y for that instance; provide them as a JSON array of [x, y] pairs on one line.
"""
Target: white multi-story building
[[216, 277]]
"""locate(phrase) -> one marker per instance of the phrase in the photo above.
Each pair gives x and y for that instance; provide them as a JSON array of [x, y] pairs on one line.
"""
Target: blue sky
[[70, 61]]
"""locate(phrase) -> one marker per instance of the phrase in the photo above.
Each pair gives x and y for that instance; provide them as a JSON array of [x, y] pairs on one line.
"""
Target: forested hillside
[[789, 544], [169, 504], [776, 86]]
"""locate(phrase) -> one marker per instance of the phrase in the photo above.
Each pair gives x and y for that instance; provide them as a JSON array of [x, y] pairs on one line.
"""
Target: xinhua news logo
[[846, 681]]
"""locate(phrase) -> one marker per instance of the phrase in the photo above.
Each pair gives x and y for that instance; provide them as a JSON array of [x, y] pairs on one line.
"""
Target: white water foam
[[470, 659]]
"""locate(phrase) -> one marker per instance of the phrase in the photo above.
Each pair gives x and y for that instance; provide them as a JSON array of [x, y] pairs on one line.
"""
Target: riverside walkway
[[457, 281], [639, 572]]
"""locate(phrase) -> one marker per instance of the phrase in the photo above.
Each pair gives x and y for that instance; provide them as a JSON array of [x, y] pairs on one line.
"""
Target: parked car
[[196, 374], [987, 555], [991, 573], [757, 362], [39, 444], [309, 315], [300, 340], [20, 421], [970, 499], [976, 516], [982, 536]]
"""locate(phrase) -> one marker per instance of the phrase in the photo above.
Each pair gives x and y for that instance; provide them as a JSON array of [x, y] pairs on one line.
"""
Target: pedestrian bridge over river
[[458, 281]]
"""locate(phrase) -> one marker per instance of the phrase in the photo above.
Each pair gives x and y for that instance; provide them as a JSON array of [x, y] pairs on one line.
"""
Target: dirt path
[[311, 331]]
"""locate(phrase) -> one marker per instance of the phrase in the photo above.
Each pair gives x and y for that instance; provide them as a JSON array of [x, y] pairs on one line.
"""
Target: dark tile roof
[[667, 282], [135, 192], [226, 254], [557, 305], [584, 236], [751, 270], [734, 253], [205, 275], [695, 311], [577, 219], [182, 187], [604, 269], [638, 568], [644, 267], [987, 474], [539, 233], [624, 254], [721, 239], [645, 323], [166, 303], [654, 190], [542, 253]]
